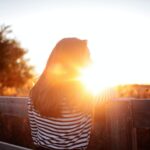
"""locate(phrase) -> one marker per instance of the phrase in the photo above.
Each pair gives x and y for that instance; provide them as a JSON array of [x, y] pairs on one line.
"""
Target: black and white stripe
[[72, 131]]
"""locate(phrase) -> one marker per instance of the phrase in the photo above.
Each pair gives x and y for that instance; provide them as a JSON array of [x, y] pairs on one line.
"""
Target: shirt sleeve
[[32, 121]]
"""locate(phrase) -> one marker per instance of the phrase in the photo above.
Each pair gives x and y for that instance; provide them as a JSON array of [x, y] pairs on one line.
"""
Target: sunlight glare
[[93, 79]]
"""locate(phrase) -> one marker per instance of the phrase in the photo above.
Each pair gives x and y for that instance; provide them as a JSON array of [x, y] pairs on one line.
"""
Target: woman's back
[[70, 131], [59, 106]]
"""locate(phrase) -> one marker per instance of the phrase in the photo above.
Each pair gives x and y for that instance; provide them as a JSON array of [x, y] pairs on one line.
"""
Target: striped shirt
[[71, 131]]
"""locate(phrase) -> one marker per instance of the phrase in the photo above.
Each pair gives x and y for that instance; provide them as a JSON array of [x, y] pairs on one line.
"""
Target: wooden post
[[119, 125], [13, 106], [134, 139], [14, 123], [141, 121]]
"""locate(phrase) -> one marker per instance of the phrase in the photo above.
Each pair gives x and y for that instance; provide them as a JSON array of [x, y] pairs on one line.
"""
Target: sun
[[94, 80]]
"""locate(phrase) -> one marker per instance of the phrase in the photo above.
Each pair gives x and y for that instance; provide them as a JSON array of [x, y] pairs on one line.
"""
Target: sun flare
[[94, 80]]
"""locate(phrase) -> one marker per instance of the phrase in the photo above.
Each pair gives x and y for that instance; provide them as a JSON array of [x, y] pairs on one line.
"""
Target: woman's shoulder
[[30, 105], [29, 101]]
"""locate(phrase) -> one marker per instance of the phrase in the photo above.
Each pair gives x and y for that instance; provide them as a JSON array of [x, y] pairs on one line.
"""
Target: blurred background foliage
[[16, 74]]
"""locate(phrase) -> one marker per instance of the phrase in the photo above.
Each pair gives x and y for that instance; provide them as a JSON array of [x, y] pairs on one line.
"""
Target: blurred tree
[[14, 68]]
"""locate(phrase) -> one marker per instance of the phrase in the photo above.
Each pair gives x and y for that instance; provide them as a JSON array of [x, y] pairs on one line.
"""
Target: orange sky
[[118, 33]]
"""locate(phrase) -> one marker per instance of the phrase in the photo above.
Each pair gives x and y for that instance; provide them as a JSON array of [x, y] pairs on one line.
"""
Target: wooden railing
[[14, 123], [126, 122]]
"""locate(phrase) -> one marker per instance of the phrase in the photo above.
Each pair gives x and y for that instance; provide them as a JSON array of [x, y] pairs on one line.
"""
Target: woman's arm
[[32, 121]]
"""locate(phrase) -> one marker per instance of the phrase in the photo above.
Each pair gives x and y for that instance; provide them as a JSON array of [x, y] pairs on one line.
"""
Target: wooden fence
[[127, 124], [125, 120], [14, 123]]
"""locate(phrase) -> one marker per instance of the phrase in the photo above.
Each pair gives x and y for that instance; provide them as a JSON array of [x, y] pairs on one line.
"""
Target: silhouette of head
[[68, 56]]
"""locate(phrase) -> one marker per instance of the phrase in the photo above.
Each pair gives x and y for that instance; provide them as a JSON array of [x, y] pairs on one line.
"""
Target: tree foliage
[[14, 69]]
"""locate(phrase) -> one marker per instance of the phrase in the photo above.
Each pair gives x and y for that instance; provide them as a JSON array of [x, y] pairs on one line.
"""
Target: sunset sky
[[118, 32]]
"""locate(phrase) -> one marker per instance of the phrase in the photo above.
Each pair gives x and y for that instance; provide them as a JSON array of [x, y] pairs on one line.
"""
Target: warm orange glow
[[57, 69], [94, 80]]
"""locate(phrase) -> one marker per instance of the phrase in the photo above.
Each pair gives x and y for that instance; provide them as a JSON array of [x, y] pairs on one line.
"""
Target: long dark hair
[[58, 80]]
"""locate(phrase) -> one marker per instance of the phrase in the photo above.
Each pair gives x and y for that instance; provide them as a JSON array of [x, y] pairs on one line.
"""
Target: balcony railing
[[123, 125]]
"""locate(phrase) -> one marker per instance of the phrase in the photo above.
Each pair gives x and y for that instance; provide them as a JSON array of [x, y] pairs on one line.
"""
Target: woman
[[60, 109]]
